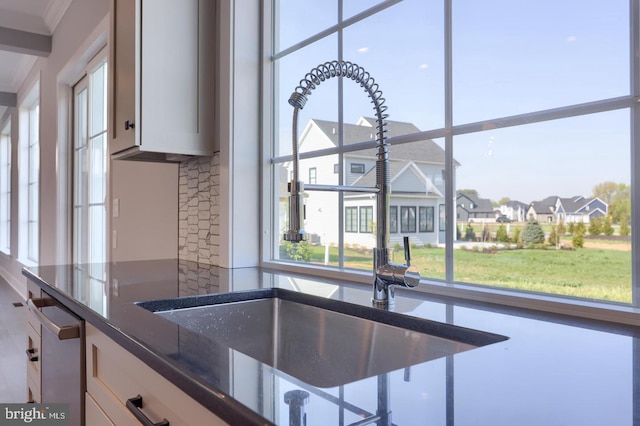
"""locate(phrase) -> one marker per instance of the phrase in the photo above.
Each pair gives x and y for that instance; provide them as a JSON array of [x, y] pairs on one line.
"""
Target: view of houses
[[417, 203]]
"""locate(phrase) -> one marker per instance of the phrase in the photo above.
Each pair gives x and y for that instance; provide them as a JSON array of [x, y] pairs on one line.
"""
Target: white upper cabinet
[[162, 74]]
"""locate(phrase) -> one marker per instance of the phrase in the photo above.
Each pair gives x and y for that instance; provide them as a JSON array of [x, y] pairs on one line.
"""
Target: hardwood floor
[[13, 344]]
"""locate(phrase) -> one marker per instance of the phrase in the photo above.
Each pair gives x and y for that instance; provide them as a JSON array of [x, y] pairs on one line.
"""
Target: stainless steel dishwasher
[[61, 356]]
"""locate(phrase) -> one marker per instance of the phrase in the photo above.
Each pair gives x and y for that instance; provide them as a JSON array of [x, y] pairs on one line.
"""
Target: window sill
[[580, 308], [27, 263]]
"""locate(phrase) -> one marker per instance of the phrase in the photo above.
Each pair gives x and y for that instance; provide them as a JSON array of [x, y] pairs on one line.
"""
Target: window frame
[[365, 217], [447, 213], [357, 168], [393, 219], [351, 219], [410, 225], [5, 189], [429, 220]]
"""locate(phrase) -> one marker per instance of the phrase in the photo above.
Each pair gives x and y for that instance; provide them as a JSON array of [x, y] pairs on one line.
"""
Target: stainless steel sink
[[322, 342]]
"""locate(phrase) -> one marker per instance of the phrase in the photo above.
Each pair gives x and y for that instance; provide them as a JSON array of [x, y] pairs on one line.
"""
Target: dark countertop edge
[[219, 403]]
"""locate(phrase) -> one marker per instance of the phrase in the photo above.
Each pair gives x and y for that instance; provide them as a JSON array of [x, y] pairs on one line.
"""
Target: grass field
[[596, 273]]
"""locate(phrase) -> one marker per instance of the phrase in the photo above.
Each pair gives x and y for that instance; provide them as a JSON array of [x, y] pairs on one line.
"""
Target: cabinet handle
[[31, 356], [129, 125], [134, 405], [61, 332]]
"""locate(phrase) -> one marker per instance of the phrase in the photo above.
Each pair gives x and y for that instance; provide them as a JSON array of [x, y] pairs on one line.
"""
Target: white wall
[[148, 220]]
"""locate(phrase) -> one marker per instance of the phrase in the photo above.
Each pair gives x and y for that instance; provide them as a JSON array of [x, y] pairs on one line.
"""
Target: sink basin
[[320, 341]]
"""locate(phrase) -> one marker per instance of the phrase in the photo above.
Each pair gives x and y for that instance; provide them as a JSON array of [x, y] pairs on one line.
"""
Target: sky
[[509, 57]]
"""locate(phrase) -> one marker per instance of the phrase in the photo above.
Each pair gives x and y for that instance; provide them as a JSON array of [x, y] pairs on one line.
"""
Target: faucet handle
[[407, 251]]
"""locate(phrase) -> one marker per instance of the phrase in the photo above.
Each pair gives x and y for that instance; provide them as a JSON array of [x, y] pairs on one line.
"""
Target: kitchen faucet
[[386, 274]]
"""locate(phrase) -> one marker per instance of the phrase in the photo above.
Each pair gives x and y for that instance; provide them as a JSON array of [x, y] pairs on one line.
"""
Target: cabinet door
[[123, 71], [172, 88]]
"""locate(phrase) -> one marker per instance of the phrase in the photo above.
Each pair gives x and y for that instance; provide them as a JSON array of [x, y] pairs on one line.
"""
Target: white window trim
[[66, 79], [5, 188], [31, 100]]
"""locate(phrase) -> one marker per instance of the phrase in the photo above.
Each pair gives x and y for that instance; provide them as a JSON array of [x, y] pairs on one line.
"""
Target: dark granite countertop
[[553, 370]]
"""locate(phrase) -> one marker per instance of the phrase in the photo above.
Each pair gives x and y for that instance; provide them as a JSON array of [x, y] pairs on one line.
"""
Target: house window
[[425, 219], [366, 219], [90, 166], [393, 219], [407, 219], [351, 219], [336, 168], [313, 175], [357, 168], [5, 189], [560, 102]]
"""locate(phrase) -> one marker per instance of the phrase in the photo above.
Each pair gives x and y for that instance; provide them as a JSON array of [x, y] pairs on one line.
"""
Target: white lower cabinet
[[115, 376]]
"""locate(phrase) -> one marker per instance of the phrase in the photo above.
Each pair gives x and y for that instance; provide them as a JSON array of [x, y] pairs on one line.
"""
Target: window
[[28, 177], [351, 219], [336, 168], [577, 85], [425, 219], [5, 189], [313, 175], [407, 219], [357, 168], [393, 219], [90, 166], [366, 220]]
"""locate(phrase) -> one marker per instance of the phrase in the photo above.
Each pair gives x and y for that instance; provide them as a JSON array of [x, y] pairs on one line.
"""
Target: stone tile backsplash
[[198, 210]]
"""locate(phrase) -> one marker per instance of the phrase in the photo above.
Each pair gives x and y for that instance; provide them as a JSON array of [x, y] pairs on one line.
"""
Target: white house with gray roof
[[417, 185]]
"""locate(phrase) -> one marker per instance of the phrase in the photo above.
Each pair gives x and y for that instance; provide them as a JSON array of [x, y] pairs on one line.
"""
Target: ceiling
[[26, 27]]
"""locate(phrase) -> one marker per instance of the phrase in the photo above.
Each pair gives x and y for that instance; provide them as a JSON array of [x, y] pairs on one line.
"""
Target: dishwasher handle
[[62, 332]]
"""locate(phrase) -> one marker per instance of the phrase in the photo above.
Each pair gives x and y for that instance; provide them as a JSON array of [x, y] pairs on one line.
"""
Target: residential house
[[543, 211], [470, 208], [580, 209], [416, 175], [556, 209], [516, 211]]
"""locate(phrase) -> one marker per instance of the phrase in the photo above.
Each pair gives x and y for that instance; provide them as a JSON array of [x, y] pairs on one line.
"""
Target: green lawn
[[589, 273]]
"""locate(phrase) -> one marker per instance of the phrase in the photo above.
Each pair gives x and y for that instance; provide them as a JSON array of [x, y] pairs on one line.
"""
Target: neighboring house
[[543, 211], [470, 208], [568, 210], [580, 209], [417, 184], [516, 211]]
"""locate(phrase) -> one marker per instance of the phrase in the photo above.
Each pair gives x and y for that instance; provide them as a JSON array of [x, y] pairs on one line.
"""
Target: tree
[[605, 191], [503, 200], [620, 206], [578, 236], [607, 228], [624, 229], [618, 197], [532, 233], [471, 192]]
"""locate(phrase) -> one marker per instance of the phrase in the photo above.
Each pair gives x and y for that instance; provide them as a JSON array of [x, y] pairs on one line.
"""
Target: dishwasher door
[[62, 356]]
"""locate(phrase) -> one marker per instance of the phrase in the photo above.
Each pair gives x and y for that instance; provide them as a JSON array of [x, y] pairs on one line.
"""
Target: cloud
[[363, 50], [571, 39]]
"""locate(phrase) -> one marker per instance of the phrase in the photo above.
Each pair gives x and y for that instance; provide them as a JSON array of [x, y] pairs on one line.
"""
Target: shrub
[[571, 229], [458, 233], [502, 235], [516, 236], [624, 229], [553, 236], [607, 228], [578, 240], [470, 234], [300, 252], [532, 233], [596, 226]]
